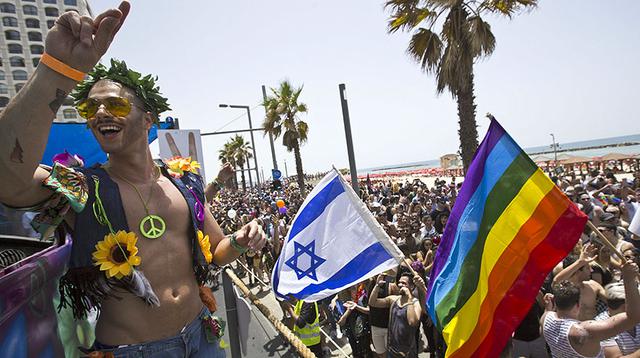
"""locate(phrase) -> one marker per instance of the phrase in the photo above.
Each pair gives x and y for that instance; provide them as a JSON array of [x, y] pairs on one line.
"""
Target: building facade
[[450, 161], [24, 26]]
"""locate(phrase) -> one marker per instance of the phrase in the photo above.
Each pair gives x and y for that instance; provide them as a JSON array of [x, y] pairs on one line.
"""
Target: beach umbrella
[[575, 159], [615, 156]]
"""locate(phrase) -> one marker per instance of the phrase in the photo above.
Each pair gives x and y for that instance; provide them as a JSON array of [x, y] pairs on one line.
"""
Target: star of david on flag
[[316, 261], [334, 242]]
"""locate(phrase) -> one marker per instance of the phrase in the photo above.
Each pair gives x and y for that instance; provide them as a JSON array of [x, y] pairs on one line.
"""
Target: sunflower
[[116, 254], [178, 165], [205, 245]]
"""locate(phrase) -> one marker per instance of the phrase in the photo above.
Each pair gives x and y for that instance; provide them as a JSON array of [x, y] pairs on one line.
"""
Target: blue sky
[[569, 68]]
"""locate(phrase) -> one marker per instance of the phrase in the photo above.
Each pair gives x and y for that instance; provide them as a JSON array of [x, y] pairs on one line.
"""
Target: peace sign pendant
[[152, 226]]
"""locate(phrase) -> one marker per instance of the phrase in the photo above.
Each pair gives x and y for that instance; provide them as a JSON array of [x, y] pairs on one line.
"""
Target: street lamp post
[[273, 151], [554, 146], [253, 142], [347, 131]]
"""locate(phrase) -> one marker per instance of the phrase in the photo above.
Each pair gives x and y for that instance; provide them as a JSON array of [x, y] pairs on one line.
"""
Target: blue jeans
[[190, 342]]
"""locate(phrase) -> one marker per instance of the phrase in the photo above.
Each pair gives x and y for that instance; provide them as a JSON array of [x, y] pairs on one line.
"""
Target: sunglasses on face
[[117, 106]]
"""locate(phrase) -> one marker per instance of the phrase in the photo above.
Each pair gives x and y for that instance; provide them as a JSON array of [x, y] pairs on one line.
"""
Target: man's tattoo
[[16, 154], [57, 102]]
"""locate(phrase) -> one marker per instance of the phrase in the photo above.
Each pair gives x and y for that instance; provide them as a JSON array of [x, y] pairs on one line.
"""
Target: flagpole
[[605, 240], [366, 215]]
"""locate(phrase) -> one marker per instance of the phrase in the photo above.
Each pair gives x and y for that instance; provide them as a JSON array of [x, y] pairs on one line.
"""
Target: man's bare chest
[[161, 199]]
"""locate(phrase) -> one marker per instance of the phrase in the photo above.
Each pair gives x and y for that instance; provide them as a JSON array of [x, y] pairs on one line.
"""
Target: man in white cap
[[627, 342]]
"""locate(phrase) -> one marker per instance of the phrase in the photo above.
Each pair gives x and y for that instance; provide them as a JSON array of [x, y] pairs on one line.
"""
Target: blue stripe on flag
[[315, 207], [502, 155], [352, 273]]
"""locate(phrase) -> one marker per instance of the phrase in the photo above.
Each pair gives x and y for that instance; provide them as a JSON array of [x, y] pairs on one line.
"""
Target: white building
[[25, 24]]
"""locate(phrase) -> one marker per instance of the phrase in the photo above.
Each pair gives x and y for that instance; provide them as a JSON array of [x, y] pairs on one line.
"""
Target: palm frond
[[447, 75], [303, 131], [481, 39], [407, 19], [302, 108], [425, 48], [289, 140], [455, 26], [401, 4], [508, 8]]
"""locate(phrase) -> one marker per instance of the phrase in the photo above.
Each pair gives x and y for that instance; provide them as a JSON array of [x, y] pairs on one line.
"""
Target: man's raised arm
[[75, 44]]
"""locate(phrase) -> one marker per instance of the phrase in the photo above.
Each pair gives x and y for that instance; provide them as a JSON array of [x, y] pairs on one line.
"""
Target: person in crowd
[[624, 342], [379, 316], [355, 323], [579, 273], [427, 230], [603, 265], [306, 318], [527, 339], [569, 336], [426, 253], [405, 312], [440, 213], [593, 212]]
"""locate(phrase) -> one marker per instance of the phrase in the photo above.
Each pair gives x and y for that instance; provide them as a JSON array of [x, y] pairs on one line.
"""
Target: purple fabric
[[28, 322], [199, 208], [471, 181]]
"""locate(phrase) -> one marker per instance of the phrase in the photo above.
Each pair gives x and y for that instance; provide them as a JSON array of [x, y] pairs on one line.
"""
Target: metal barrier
[[268, 286]]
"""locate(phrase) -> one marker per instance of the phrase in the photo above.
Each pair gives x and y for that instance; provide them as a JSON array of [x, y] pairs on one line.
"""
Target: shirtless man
[[168, 262], [568, 336], [579, 273]]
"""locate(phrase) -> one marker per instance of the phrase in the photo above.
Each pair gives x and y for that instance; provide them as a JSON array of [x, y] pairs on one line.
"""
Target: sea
[[628, 144]]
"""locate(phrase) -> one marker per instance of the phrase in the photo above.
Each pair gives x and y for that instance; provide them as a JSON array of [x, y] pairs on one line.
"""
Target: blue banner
[[76, 138]]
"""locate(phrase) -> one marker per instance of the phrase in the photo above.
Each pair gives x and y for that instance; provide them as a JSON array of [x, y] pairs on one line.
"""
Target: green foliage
[[463, 37], [282, 109], [450, 52], [144, 87], [236, 151]]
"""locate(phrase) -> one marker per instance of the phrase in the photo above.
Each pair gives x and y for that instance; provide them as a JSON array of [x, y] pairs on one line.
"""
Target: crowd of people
[[589, 305], [379, 318]]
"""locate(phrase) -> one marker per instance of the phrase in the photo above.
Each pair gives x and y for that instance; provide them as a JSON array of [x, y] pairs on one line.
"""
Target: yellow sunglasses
[[117, 106]]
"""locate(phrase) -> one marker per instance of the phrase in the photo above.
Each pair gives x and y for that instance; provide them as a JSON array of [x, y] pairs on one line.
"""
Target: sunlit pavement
[[264, 340]]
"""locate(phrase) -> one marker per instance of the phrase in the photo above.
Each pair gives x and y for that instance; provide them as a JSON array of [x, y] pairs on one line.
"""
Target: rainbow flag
[[509, 227]]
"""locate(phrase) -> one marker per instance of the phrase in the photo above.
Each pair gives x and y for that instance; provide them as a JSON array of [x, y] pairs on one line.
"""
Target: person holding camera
[[404, 315]]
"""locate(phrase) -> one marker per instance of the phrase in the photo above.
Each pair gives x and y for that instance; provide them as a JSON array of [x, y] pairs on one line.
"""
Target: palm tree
[[450, 55], [226, 155], [241, 153], [282, 109]]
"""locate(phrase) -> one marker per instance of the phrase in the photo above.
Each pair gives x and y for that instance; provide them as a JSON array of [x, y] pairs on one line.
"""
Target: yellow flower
[[178, 165], [116, 254], [205, 245]]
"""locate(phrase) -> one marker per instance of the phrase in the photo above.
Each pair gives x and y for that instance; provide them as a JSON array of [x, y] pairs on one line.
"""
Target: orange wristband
[[61, 67]]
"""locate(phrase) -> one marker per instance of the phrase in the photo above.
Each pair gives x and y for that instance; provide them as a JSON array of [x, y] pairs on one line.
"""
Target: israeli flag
[[334, 242]]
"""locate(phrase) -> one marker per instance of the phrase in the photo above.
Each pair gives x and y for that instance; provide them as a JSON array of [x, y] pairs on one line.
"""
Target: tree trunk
[[235, 179], [296, 152], [468, 131], [244, 183]]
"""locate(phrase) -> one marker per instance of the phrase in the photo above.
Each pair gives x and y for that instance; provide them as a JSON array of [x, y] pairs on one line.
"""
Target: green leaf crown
[[144, 87]]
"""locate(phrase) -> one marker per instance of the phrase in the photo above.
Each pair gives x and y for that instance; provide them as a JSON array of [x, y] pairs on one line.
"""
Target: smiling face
[[119, 134]]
